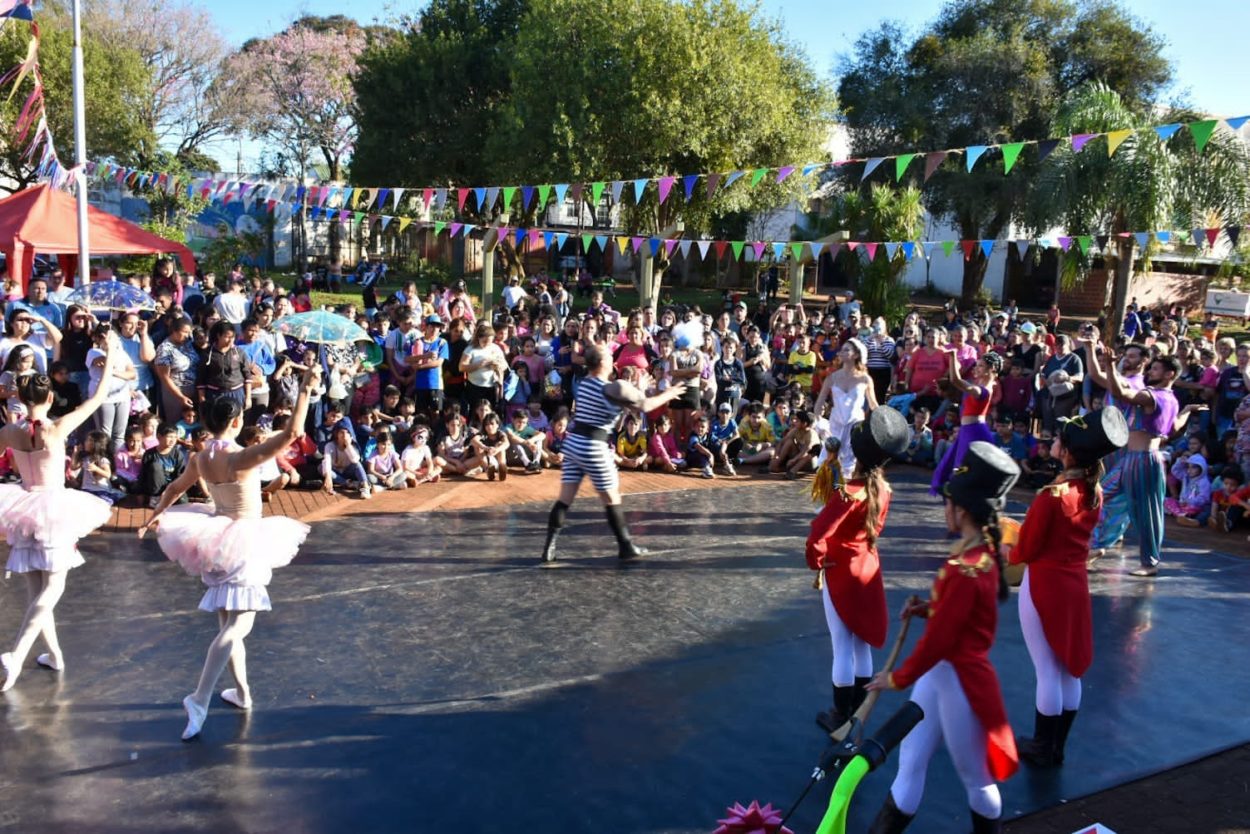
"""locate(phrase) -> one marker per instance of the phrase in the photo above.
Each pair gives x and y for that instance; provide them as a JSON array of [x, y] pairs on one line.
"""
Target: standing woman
[[76, 341], [849, 391], [842, 545], [114, 411], [176, 365], [588, 452], [227, 543], [954, 682], [225, 372], [484, 363], [41, 519], [974, 407], [882, 353], [1061, 379], [1054, 596], [685, 370]]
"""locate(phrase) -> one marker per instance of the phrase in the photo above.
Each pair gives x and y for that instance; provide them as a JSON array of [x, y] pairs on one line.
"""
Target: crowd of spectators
[[442, 388]]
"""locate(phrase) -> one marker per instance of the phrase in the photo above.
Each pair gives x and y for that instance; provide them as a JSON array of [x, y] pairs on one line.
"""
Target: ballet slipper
[[231, 696], [45, 660], [195, 718], [11, 671]]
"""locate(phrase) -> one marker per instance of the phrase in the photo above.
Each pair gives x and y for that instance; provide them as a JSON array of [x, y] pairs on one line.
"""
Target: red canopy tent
[[44, 220]]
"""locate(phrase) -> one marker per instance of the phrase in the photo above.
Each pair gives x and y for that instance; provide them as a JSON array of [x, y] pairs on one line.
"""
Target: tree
[[296, 89], [989, 72], [882, 214], [427, 98], [666, 89], [186, 104], [1146, 185], [116, 82]]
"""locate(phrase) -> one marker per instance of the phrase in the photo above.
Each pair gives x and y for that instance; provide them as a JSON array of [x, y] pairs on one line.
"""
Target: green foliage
[[116, 79], [883, 213], [990, 71], [228, 249]]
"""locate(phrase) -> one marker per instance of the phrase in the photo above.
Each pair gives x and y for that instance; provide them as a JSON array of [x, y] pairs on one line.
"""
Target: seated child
[[386, 470], [128, 462], [662, 451], [525, 443], [757, 437], [187, 426], [699, 452], [631, 444], [418, 460], [537, 418], [1229, 503], [96, 469], [919, 449], [1042, 468], [798, 449], [162, 464], [553, 449], [272, 478], [491, 445], [726, 440], [1195, 494], [341, 466]]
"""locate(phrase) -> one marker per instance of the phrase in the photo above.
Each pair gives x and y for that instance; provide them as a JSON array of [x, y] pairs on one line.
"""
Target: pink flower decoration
[[752, 820]]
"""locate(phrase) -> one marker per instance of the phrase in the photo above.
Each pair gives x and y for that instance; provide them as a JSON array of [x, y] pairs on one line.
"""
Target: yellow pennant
[[622, 243], [1115, 138], [403, 222]]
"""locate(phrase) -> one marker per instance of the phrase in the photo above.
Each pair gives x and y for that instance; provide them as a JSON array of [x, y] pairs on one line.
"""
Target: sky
[[1206, 49]]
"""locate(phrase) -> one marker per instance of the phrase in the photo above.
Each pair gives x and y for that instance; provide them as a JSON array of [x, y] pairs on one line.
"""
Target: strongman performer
[[597, 406], [1054, 602], [1135, 487], [842, 545], [955, 684]]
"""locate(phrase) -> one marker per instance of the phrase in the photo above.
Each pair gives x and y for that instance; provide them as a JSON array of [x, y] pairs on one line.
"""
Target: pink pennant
[[427, 196], [666, 185], [872, 250], [758, 248], [462, 194]]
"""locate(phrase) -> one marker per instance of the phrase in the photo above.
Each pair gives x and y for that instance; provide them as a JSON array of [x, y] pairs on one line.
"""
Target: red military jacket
[[838, 544], [1054, 543], [963, 618]]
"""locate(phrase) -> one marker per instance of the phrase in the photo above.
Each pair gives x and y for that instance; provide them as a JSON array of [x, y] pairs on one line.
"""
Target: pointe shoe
[[45, 660], [195, 718], [231, 696], [11, 671]]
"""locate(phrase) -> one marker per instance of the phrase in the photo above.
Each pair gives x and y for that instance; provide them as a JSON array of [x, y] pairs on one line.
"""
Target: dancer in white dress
[[848, 390], [230, 546], [41, 519]]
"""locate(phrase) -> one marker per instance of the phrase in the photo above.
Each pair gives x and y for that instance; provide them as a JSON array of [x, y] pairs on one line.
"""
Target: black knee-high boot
[[843, 697], [1067, 716], [890, 820], [985, 825], [1040, 750], [555, 521], [616, 520], [861, 693]]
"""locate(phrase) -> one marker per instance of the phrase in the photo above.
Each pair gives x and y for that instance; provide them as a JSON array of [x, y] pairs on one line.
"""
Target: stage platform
[[420, 672]]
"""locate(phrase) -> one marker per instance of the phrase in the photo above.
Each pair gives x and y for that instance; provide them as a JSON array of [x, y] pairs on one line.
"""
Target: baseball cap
[[1028, 327], [725, 407], [434, 318]]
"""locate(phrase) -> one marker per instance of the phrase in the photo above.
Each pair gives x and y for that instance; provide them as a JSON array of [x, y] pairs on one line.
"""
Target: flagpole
[[80, 149]]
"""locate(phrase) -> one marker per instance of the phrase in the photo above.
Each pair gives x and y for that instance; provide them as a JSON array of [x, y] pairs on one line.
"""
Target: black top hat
[[879, 437], [982, 482], [1094, 435]]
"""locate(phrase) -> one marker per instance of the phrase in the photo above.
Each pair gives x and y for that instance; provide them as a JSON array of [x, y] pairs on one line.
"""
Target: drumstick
[[865, 709]]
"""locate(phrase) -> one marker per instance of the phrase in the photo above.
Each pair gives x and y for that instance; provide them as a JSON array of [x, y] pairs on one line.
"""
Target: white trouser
[[852, 657], [948, 717], [1057, 690]]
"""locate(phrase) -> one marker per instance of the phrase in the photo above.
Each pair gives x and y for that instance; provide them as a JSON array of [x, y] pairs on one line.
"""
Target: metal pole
[[80, 150]]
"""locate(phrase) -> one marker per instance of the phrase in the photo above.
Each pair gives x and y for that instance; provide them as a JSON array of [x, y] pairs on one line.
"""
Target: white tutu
[[204, 543], [43, 526], [232, 597]]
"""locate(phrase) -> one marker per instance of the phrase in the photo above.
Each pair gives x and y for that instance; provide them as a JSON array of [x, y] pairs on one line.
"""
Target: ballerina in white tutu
[[41, 519], [229, 545]]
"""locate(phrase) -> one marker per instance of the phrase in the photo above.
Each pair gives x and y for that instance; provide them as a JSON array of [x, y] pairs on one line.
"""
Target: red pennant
[[968, 246], [427, 194], [932, 161], [462, 194], [720, 246], [1212, 235]]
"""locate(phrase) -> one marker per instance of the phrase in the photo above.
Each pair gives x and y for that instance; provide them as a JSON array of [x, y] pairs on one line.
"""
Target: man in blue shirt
[[428, 361]]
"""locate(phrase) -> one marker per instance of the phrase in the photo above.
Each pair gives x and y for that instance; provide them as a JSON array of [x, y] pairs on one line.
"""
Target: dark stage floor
[[420, 673]]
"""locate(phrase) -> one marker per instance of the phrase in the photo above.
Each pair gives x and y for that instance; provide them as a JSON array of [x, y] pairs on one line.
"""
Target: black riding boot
[[890, 820], [861, 693], [843, 696], [1040, 750], [555, 522], [1067, 716], [985, 825], [616, 520]]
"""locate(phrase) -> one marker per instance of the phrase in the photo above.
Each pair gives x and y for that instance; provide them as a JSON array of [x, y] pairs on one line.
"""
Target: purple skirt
[[954, 455]]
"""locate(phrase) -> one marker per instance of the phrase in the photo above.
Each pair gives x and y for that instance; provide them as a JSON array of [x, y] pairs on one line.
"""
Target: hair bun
[[35, 389]]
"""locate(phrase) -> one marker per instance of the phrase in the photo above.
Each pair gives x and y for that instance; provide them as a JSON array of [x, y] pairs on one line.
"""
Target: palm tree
[[883, 213], [1147, 184]]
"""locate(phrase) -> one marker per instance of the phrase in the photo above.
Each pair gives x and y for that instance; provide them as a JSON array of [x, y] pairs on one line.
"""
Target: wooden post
[[488, 275], [646, 281], [796, 281]]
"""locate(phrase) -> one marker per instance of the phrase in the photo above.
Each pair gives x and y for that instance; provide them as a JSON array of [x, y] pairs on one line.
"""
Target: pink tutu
[[43, 526], [204, 543]]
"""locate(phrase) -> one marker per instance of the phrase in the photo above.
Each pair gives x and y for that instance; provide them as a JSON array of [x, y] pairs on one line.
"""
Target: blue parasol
[[321, 327], [111, 295]]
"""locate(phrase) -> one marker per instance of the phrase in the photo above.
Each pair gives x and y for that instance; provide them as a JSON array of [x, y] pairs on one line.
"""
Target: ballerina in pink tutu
[[41, 519], [229, 546]]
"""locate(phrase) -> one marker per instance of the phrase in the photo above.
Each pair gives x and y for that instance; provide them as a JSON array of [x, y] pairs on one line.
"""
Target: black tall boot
[[890, 820], [555, 522], [841, 712], [861, 693], [616, 520], [1041, 749], [1066, 718], [985, 825]]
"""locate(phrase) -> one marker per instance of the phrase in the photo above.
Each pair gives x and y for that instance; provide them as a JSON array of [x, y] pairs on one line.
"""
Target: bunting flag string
[[485, 199], [30, 130]]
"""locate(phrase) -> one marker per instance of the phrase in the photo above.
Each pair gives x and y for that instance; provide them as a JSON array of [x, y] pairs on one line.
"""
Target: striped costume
[[585, 455]]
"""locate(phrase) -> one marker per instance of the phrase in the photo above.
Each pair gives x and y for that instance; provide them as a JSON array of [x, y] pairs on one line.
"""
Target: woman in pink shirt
[[928, 364]]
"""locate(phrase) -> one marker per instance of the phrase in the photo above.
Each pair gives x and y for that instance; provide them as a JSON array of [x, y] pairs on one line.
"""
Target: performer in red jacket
[[955, 684], [1054, 596], [842, 545]]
